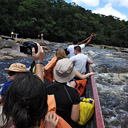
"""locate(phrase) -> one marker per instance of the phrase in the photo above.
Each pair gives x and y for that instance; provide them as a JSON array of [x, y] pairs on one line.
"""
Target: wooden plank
[[98, 112]]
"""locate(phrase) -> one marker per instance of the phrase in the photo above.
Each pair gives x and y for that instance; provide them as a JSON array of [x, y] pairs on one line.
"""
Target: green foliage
[[60, 21]]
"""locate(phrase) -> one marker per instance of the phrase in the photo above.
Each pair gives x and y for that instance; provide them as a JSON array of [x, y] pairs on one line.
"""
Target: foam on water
[[113, 92]]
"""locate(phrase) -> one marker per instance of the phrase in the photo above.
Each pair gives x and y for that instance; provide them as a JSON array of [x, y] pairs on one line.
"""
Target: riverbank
[[10, 49]]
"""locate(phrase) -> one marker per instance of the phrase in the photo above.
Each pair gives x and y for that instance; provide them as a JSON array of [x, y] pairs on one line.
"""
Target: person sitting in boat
[[14, 70], [60, 54], [67, 98], [70, 49], [80, 60], [27, 103], [48, 69]]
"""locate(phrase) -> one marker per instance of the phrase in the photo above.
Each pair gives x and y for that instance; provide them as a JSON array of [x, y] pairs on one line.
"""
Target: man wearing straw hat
[[14, 70]]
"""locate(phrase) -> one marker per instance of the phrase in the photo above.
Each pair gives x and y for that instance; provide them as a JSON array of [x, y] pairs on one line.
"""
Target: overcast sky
[[117, 8]]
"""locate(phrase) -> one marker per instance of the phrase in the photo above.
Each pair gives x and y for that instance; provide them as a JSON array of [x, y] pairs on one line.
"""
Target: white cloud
[[92, 3], [108, 10], [119, 2], [124, 3]]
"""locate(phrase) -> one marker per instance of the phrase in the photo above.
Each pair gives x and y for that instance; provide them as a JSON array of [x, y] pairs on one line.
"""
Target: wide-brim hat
[[64, 70], [17, 67]]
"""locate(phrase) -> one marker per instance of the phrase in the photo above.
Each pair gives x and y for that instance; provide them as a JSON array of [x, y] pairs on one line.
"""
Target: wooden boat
[[91, 92]]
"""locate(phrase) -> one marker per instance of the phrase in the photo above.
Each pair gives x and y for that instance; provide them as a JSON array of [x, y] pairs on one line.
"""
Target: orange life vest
[[80, 86], [48, 70], [52, 108]]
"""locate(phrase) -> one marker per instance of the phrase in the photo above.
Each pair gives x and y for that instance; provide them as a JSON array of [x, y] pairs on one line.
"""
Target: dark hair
[[26, 101], [75, 41], [77, 48]]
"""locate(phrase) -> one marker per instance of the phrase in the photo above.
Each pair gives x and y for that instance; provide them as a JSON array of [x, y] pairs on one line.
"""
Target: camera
[[27, 46]]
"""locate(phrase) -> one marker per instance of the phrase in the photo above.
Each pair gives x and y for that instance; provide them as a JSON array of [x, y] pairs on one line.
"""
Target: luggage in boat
[[80, 86], [86, 110]]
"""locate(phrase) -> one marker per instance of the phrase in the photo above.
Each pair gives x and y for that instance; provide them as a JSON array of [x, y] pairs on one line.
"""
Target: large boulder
[[44, 42], [12, 53], [6, 58], [9, 44]]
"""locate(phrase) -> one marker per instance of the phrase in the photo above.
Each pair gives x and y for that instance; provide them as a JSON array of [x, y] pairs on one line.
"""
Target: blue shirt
[[5, 87]]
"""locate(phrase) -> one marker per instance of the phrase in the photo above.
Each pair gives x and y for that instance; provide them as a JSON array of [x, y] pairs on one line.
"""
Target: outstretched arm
[[92, 35], [38, 57], [79, 75], [82, 77], [88, 39]]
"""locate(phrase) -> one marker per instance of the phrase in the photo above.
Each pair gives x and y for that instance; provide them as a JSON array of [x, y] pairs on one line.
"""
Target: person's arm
[[38, 57], [75, 114], [92, 35], [88, 39], [90, 62], [82, 77]]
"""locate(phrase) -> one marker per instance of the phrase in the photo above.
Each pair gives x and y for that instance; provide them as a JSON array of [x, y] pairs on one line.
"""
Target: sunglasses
[[11, 73]]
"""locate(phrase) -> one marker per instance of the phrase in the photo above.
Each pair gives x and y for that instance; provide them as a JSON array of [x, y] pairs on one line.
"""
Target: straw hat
[[17, 67], [64, 70]]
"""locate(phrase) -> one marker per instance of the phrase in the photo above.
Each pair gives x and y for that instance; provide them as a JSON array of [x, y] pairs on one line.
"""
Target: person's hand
[[93, 35], [91, 73], [12, 126], [39, 55], [51, 121]]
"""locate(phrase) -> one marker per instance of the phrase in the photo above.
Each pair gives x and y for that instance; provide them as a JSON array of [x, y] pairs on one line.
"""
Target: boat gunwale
[[98, 112]]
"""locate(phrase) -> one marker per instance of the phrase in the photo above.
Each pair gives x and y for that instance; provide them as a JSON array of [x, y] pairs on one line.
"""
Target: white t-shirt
[[71, 49], [80, 60]]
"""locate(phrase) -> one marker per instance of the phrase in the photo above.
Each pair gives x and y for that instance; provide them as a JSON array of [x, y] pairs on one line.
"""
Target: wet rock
[[124, 50], [58, 46], [9, 44], [12, 53], [44, 43], [6, 58]]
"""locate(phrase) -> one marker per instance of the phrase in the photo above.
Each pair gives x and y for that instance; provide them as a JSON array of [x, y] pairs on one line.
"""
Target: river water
[[111, 76]]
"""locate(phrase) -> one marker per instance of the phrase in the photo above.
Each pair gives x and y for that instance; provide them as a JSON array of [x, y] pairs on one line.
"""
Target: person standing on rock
[[12, 35]]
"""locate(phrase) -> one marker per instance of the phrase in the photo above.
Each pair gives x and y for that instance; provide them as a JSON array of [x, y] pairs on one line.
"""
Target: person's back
[[80, 60], [71, 49], [23, 99], [67, 98]]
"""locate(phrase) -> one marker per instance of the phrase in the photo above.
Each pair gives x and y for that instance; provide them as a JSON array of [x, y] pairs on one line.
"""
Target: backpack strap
[[68, 94]]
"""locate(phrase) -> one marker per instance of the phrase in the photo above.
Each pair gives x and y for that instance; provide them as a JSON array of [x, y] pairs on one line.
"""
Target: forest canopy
[[60, 21]]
